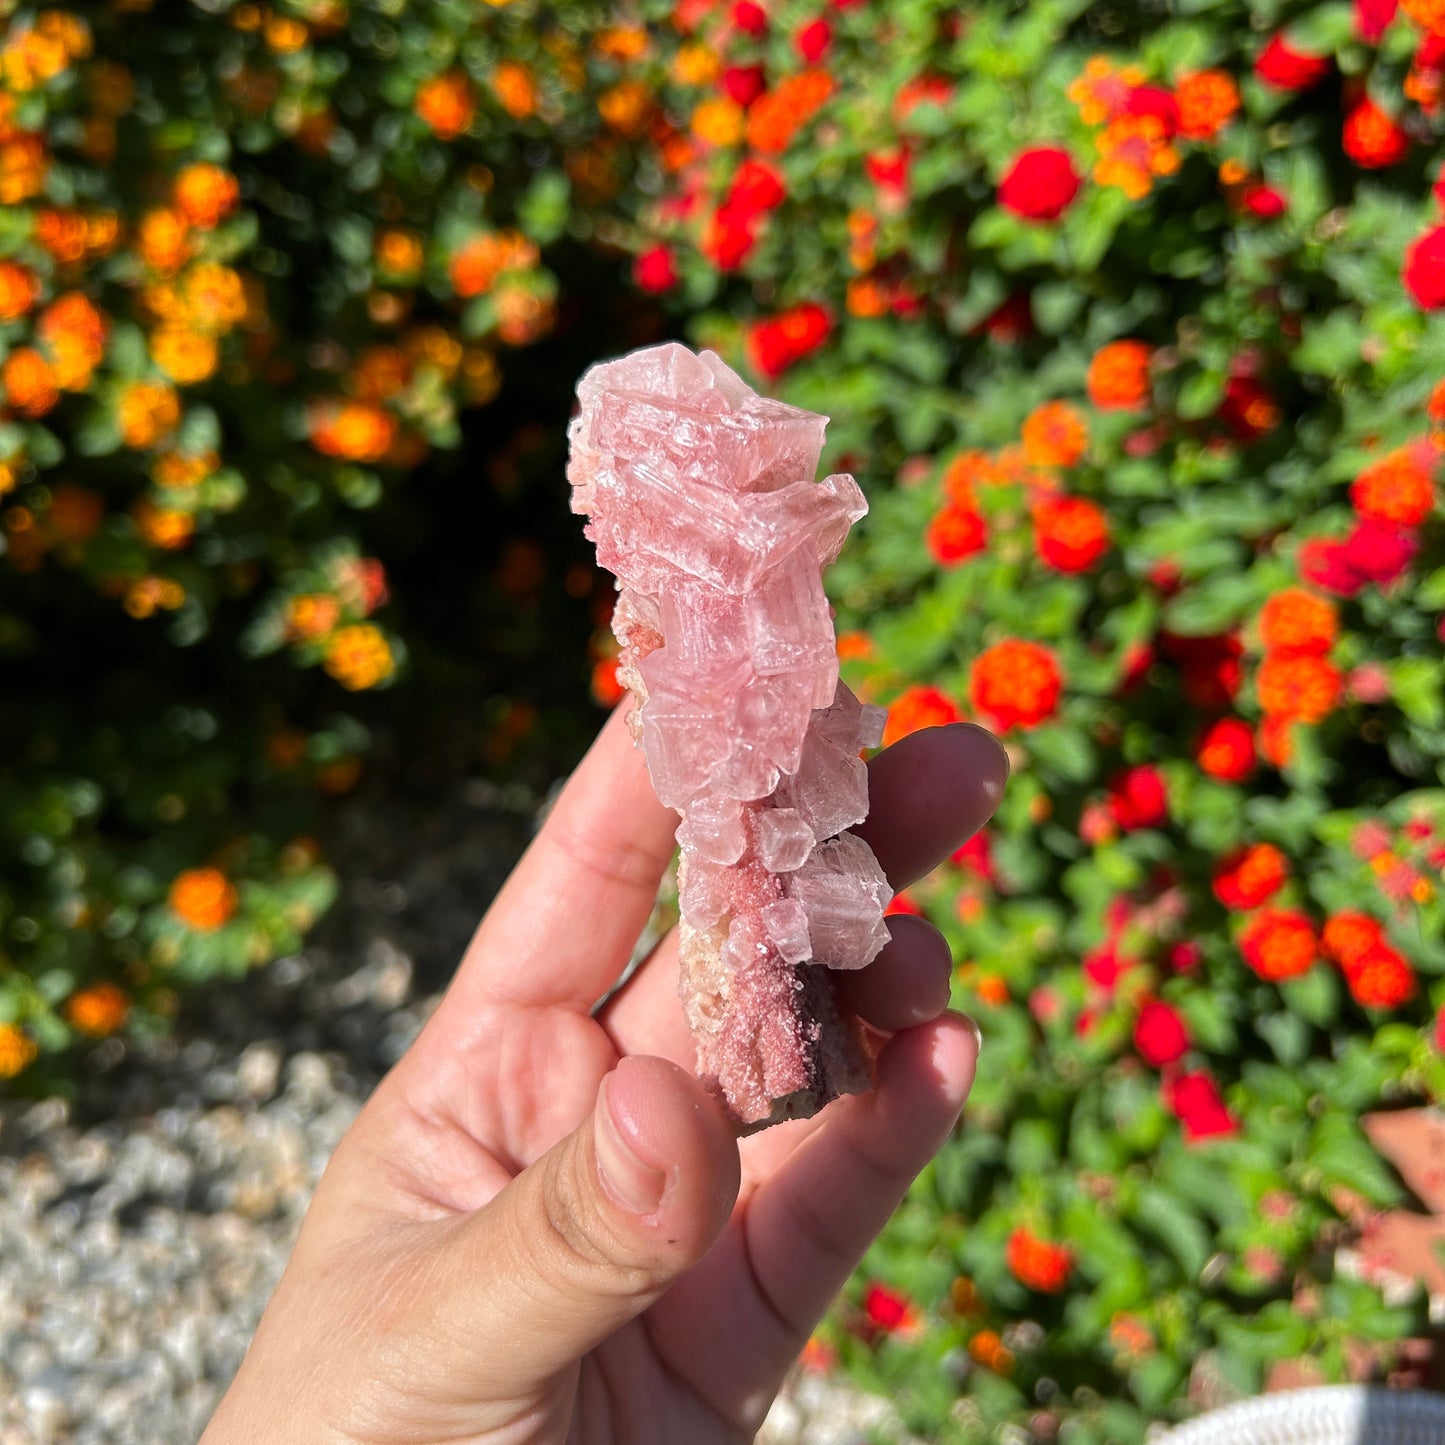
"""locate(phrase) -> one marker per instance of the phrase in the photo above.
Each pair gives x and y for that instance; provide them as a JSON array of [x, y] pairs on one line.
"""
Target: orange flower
[[718, 121], [916, 708], [148, 411], [1253, 876], [1348, 936], [1207, 101], [970, 469], [515, 88], [74, 332], [19, 287], [176, 469], [481, 259], [1395, 489], [1118, 376], [359, 657], [777, 115], [955, 533], [523, 316], [988, 1349], [399, 253], [184, 355], [445, 103], [606, 688], [163, 241], [1103, 90], [98, 1010], [1130, 1336], [1016, 684], [61, 234], [1037, 1264], [1276, 740], [1298, 621], [626, 107], [1133, 149], [29, 382], [205, 195], [1279, 943], [1055, 435], [311, 615], [380, 373], [1427, 14], [621, 42], [24, 164], [203, 899], [854, 647], [17, 1050], [1300, 686], [1380, 977], [358, 431], [163, 527], [696, 64], [212, 297]]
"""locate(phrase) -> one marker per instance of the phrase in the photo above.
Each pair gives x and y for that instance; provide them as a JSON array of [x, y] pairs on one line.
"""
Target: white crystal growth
[[701, 499]]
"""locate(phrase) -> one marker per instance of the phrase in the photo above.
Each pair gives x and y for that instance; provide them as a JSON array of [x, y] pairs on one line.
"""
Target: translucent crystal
[[700, 497]]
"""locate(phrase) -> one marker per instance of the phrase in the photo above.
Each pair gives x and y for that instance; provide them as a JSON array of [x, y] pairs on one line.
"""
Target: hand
[[541, 1228]]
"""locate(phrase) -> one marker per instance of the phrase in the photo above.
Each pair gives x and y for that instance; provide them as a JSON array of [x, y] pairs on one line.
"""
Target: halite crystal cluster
[[702, 501]]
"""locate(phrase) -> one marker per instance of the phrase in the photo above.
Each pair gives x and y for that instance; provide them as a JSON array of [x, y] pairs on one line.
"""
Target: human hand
[[541, 1228]]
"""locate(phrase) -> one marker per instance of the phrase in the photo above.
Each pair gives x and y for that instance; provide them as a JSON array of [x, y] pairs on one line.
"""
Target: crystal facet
[[701, 498]]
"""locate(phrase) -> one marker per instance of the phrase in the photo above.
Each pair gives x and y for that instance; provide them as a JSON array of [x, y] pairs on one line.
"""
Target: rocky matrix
[[702, 501]]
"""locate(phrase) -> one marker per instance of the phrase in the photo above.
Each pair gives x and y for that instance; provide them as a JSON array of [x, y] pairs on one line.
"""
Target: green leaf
[[1314, 996]]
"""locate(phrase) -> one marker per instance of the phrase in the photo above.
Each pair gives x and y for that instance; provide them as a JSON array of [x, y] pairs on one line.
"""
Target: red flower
[[1017, 684], [1264, 202], [955, 533], [728, 238], [776, 344], [1185, 957], [1226, 751], [655, 269], [1279, 943], [1398, 488], [1040, 184], [1010, 321], [891, 1311], [1372, 138], [744, 83], [1373, 17], [888, 170], [1380, 977], [1211, 666], [750, 18], [902, 903], [1348, 936], [1156, 101], [1138, 798], [976, 855], [1248, 408], [1379, 552], [1281, 65], [1323, 562], [756, 187], [813, 41], [1424, 273], [1037, 1264], [1250, 876], [1070, 534], [1195, 1100], [1160, 1035]]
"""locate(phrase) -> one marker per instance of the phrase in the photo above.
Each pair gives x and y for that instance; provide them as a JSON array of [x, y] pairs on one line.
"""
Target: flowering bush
[[1130, 323], [257, 264]]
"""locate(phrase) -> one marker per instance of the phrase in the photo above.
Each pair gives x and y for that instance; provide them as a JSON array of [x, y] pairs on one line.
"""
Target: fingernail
[[635, 1185]]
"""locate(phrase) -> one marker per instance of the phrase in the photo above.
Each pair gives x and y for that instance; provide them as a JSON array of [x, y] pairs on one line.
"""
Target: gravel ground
[[144, 1226]]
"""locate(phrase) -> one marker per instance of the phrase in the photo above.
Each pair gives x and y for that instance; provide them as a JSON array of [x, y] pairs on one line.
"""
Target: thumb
[[591, 1234]]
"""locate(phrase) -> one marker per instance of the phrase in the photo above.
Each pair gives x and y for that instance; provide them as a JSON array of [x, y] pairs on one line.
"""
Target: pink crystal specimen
[[701, 499]]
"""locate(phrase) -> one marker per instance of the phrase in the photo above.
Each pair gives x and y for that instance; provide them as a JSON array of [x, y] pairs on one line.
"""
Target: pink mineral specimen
[[702, 500]]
